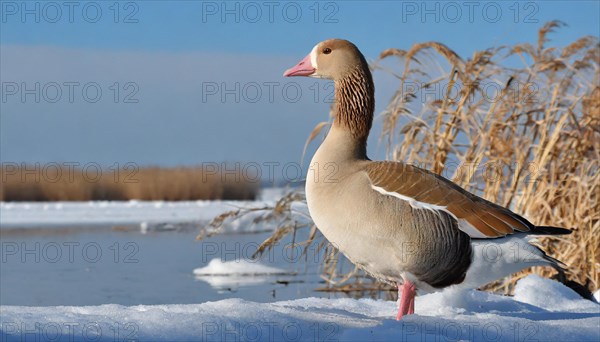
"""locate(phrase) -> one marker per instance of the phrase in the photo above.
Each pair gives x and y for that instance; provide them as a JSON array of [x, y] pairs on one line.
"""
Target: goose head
[[331, 59]]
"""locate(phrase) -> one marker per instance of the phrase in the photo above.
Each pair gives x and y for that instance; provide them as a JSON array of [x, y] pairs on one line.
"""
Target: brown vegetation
[[518, 125], [57, 182], [532, 146]]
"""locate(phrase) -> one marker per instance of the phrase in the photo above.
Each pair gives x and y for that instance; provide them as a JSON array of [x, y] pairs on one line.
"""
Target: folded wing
[[425, 190]]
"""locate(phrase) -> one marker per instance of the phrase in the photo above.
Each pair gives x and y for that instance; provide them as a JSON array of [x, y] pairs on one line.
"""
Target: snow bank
[[148, 215], [217, 267], [552, 296], [27, 214], [232, 274], [441, 316]]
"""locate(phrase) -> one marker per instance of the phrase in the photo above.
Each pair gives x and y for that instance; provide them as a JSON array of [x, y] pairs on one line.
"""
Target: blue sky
[[283, 28], [164, 68]]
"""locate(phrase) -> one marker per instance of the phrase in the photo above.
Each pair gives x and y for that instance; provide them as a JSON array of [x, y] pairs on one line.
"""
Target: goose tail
[[548, 230]]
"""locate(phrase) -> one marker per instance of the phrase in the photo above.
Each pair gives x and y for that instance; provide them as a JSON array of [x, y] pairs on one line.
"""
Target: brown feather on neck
[[355, 102]]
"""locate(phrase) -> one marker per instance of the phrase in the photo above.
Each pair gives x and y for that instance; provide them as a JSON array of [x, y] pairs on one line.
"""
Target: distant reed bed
[[63, 182], [518, 125]]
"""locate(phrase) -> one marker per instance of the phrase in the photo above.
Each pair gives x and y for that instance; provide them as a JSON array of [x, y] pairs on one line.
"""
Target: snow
[[148, 215], [232, 274], [528, 291], [25, 214], [541, 310], [217, 267]]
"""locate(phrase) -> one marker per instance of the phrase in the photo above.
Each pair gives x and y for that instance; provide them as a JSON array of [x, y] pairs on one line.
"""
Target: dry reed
[[518, 125], [62, 183]]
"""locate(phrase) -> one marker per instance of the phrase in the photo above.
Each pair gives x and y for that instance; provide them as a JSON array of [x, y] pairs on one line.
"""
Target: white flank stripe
[[413, 203]]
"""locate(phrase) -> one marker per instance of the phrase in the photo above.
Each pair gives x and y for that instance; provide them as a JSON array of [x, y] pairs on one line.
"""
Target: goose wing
[[423, 189]]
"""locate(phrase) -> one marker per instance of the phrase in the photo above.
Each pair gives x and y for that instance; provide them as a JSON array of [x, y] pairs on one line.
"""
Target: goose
[[399, 223]]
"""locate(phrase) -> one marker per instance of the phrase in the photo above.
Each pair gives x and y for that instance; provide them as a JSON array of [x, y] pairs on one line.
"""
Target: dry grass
[[51, 183], [517, 125]]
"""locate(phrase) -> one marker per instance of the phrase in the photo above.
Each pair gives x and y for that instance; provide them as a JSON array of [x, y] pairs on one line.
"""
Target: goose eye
[[326, 51]]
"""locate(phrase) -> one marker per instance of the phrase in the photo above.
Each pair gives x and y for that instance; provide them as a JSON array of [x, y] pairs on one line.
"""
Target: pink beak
[[303, 68]]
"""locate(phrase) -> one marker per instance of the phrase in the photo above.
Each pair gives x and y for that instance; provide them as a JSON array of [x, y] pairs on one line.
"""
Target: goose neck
[[354, 104]]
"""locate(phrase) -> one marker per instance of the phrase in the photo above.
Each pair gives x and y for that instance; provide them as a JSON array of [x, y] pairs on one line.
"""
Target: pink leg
[[407, 299], [411, 307]]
